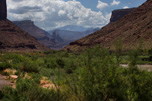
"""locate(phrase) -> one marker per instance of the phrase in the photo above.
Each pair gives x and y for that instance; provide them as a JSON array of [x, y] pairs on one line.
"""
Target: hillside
[[64, 37], [12, 38], [68, 35], [74, 28], [131, 29]]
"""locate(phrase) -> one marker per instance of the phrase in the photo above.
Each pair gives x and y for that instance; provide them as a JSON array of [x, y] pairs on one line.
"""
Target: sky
[[51, 14]]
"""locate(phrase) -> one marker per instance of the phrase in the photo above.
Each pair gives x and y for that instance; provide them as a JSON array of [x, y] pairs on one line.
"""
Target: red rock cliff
[[118, 14]]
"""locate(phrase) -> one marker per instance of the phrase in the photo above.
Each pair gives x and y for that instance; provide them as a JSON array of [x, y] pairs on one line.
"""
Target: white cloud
[[115, 2], [49, 14], [61, 12], [125, 7], [102, 5]]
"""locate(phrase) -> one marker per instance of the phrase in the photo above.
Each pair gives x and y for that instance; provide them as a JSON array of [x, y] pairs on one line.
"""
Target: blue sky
[[93, 3], [51, 14]]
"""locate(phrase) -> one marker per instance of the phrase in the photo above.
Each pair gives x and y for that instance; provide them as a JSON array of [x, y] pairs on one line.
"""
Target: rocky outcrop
[[12, 38], [3, 10], [118, 14], [57, 37], [133, 28]]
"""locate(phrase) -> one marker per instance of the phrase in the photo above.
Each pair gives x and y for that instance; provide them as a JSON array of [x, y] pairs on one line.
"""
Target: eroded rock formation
[[118, 14]]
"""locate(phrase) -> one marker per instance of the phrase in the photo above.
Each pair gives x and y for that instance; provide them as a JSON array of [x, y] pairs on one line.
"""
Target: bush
[[60, 62], [104, 80], [50, 63], [70, 66], [36, 78], [30, 66], [5, 65], [27, 90]]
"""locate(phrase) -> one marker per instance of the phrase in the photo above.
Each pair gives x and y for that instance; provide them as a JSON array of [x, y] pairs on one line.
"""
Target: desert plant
[[60, 62], [30, 66], [5, 64]]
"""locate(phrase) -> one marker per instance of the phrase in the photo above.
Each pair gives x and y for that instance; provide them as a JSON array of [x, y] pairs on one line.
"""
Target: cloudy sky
[[50, 14]]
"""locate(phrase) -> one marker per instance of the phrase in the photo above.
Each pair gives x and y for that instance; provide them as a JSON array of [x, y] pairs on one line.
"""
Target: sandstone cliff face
[[118, 14], [132, 28], [3, 10]]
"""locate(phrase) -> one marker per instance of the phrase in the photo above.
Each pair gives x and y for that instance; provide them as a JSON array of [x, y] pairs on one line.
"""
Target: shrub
[[50, 63], [60, 62], [5, 65], [27, 90], [70, 66], [36, 77], [30, 66]]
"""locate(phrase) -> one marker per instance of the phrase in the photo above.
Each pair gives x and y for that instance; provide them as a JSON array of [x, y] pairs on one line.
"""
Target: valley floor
[[94, 74]]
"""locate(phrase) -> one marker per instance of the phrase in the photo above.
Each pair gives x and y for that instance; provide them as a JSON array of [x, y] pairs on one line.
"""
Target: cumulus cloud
[[50, 14], [102, 5], [115, 2], [125, 7]]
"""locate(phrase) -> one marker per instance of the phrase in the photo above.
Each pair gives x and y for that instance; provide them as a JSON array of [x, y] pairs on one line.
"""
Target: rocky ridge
[[133, 28]]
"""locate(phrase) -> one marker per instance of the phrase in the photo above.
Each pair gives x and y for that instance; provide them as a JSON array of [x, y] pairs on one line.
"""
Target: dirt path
[[3, 81]]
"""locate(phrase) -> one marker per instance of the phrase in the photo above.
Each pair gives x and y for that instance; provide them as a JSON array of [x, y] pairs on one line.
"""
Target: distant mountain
[[69, 36], [55, 39], [51, 41], [133, 28], [32, 29], [41, 35], [73, 28]]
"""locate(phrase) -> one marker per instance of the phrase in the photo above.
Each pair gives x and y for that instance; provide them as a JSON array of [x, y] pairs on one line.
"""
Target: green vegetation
[[94, 75]]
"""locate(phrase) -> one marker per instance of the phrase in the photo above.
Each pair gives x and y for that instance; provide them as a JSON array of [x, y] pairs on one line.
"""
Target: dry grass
[[9, 71]]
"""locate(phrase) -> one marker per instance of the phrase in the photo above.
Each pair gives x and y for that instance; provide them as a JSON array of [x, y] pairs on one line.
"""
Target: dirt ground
[[4, 82]]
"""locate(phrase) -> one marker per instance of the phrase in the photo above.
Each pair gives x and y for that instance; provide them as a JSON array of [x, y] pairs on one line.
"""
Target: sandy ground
[[3, 81]]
